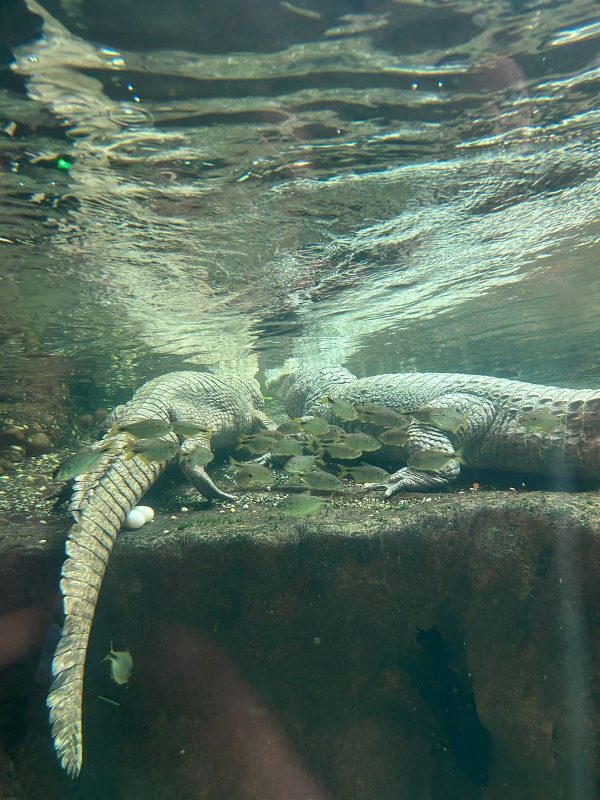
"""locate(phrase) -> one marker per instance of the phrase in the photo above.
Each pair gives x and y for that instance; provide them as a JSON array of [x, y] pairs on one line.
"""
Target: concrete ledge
[[443, 648]]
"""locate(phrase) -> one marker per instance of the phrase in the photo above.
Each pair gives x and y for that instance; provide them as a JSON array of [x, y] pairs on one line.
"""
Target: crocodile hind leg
[[420, 439], [478, 415], [195, 472]]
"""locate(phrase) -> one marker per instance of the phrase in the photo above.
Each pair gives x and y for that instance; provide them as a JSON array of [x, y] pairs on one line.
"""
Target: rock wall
[[447, 649]]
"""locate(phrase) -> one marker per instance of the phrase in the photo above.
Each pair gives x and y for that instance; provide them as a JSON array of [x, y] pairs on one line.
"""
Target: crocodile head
[[300, 389]]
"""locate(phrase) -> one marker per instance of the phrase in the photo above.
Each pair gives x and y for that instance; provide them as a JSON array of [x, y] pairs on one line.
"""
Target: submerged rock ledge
[[436, 648]]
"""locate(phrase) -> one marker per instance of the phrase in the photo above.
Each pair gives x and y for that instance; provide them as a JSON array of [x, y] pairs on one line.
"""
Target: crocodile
[[491, 437], [225, 408]]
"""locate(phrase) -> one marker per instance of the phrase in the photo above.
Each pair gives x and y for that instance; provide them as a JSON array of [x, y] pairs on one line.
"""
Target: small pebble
[[43, 541], [166, 530], [38, 444], [172, 516], [184, 508], [43, 522]]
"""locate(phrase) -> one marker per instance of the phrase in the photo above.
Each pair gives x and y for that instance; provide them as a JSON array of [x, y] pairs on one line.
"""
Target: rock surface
[[440, 647]]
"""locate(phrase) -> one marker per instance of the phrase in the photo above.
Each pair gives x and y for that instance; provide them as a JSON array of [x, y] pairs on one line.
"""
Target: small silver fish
[[290, 427], [365, 473], [84, 461], [300, 465], [433, 459], [255, 443], [152, 449], [121, 665], [341, 408], [446, 419], [143, 428], [287, 447], [382, 416], [334, 434], [361, 441], [188, 429], [541, 421], [300, 505], [269, 433], [343, 451], [396, 437], [249, 473], [316, 426], [319, 479]]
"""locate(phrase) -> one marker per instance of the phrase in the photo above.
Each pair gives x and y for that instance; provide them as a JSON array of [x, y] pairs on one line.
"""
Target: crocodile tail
[[101, 501]]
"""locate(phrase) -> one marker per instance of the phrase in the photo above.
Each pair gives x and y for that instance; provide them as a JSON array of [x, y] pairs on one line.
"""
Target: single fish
[[433, 459], [121, 664], [446, 419], [397, 437], [85, 460], [287, 447], [256, 443], [541, 421], [300, 505], [342, 451], [365, 473], [143, 428], [290, 427], [319, 479], [316, 426], [300, 465], [188, 429], [341, 408], [382, 416], [361, 441], [152, 449], [269, 433], [249, 473], [334, 434]]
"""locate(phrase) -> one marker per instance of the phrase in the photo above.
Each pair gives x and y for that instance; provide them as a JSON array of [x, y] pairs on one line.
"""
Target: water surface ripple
[[412, 185]]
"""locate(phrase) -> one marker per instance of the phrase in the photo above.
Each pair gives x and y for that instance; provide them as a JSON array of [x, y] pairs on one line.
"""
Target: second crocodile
[[492, 435]]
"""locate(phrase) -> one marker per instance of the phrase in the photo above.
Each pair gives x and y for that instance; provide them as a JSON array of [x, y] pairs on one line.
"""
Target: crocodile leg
[[196, 474], [478, 414], [420, 439]]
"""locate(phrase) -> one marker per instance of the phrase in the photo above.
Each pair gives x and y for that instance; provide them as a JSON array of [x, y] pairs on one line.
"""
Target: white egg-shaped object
[[146, 511], [135, 519]]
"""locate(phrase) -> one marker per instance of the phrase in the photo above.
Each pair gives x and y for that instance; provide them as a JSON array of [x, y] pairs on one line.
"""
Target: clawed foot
[[389, 489], [375, 487]]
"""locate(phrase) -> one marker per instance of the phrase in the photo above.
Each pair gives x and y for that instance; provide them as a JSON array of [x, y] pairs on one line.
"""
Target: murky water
[[391, 186]]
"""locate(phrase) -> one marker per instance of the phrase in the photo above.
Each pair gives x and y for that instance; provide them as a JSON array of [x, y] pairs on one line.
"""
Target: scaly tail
[[100, 503]]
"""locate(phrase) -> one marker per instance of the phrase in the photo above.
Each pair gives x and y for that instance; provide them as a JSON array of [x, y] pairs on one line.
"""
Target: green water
[[391, 186]]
